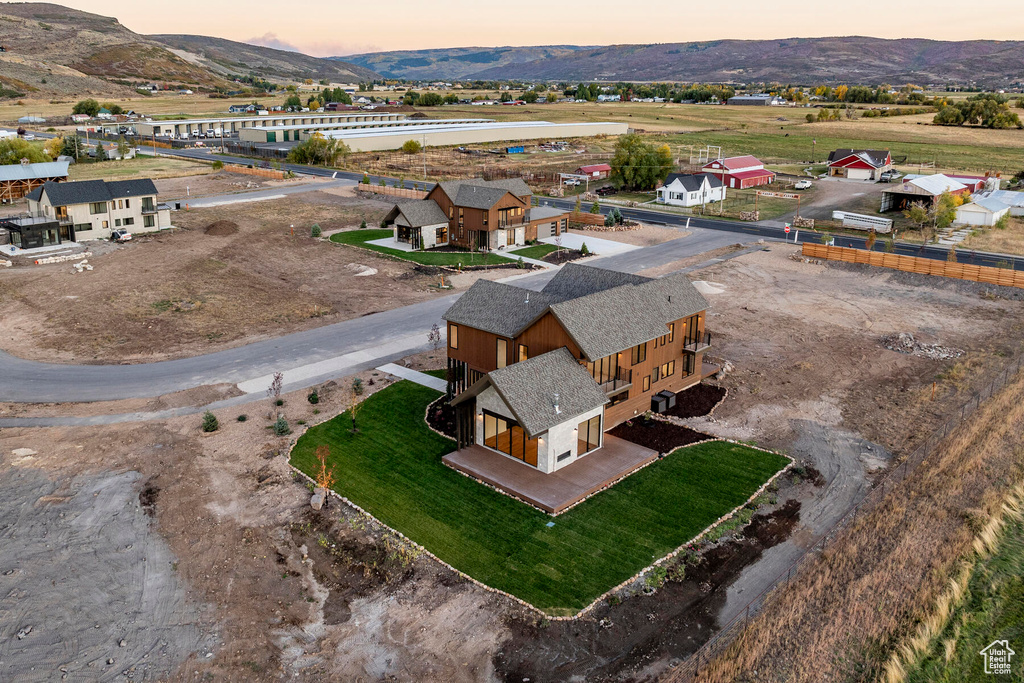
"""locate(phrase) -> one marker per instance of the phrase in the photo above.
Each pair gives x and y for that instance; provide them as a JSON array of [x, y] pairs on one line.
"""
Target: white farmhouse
[[691, 189]]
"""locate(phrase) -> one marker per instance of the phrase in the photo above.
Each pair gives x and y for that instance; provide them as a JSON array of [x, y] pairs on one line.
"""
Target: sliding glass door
[[506, 436]]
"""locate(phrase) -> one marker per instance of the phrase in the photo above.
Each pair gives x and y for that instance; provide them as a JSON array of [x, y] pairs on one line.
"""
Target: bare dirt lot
[[191, 290], [270, 591], [646, 236]]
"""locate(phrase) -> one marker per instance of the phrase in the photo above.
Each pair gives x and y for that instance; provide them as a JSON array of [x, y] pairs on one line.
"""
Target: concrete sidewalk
[[421, 378]]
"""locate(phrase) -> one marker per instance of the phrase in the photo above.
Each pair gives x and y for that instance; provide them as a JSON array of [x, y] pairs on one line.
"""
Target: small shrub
[[242, 418], [656, 577], [279, 402], [362, 226], [301, 422], [314, 396], [218, 165], [316, 411], [614, 600], [520, 264], [281, 427], [210, 423], [584, 250], [383, 223], [315, 231], [609, 221], [357, 386], [677, 572]]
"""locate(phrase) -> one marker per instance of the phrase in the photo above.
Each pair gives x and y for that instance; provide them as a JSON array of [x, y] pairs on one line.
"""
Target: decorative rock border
[[599, 599]]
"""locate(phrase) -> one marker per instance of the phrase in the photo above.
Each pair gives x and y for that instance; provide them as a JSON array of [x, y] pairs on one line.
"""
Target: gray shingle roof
[[692, 182], [482, 194], [539, 213], [528, 389], [89, 191], [497, 308], [419, 212], [575, 280], [619, 318]]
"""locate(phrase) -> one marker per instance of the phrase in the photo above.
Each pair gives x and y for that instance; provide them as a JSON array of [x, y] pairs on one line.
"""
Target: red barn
[[595, 171], [740, 172], [859, 164]]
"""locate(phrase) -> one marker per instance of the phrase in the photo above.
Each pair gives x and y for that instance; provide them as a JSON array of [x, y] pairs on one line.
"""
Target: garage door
[[545, 230], [858, 174]]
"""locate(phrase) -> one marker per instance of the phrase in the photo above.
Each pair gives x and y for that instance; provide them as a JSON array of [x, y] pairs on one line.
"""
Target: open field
[[392, 468], [139, 167], [428, 258], [195, 292]]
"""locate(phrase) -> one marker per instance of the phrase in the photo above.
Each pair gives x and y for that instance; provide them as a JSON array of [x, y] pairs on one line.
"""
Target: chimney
[[554, 397]]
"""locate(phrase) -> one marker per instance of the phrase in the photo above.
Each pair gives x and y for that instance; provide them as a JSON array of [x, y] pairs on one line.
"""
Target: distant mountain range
[[55, 50], [456, 63], [851, 59]]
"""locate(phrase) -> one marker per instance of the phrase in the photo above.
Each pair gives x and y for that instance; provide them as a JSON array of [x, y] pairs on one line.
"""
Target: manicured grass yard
[[537, 251], [360, 238], [392, 468]]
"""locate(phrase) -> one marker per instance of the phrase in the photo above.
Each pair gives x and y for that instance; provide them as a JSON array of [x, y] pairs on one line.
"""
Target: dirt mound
[[221, 228]]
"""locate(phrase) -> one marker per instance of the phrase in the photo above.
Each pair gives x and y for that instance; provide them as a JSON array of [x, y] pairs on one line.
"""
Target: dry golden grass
[[140, 167], [1007, 241], [896, 566]]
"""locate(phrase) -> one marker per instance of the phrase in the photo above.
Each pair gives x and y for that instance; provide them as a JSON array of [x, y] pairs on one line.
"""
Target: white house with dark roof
[[91, 209], [691, 189], [984, 212], [419, 223]]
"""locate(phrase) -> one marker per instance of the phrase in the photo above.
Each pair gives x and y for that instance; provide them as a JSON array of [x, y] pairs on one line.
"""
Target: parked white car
[[802, 185], [121, 236]]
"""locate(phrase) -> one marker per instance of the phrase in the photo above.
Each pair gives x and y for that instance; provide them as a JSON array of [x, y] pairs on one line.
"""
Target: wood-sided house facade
[[481, 215], [628, 337]]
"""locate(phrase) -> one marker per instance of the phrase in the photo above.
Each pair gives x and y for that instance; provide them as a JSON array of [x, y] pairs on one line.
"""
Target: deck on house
[[557, 491]]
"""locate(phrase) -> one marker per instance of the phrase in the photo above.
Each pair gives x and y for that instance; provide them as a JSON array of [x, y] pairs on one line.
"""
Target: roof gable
[[418, 213], [733, 163], [876, 158], [692, 182], [497, 308], [531, 389]]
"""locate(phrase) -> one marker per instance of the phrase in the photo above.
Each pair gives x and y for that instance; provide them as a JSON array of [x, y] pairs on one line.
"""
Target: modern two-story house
[[91, 209], [540, 376], [475, 214]]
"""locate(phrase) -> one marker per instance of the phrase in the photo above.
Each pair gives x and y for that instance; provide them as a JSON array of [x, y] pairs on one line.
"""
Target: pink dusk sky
[[345, 27]]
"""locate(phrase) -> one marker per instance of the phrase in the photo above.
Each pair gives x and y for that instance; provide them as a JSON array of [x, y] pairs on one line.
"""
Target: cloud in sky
[[271, 40]]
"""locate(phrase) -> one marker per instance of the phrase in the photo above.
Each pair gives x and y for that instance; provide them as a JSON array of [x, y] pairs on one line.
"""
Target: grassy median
[[392, 468]]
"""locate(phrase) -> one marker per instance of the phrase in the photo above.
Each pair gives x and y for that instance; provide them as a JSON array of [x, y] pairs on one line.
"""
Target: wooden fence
[[1004, 277], [261, 172], [392, 191], [586, 218]]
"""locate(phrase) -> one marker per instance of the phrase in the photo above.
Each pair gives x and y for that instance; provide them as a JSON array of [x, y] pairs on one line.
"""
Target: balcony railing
[[697, 344], [623, 379]]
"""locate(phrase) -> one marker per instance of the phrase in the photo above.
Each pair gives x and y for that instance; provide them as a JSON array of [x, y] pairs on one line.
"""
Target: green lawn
[[392, 468], [360, 238], [536, 251]]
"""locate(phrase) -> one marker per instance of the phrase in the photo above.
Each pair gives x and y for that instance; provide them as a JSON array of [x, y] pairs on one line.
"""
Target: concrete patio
[[559, 490]]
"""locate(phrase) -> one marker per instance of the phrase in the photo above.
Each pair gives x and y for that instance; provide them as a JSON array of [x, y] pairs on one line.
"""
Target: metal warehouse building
[[299, 132], [440, 135], [231, 125]]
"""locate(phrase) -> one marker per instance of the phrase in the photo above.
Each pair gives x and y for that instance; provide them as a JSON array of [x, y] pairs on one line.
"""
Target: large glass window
[[501, 353], [524, 353], [588, 435], [506, 436], [97, 207], [639, 353], [605, 369]]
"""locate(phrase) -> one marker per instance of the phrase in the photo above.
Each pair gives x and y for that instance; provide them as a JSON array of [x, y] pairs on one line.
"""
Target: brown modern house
[[475, 214], [540, 376]]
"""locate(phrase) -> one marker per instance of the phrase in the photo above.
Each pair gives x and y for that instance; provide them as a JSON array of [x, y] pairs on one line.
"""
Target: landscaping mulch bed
[[697, 401], [657, 435], [441, 416], [564, 256]]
